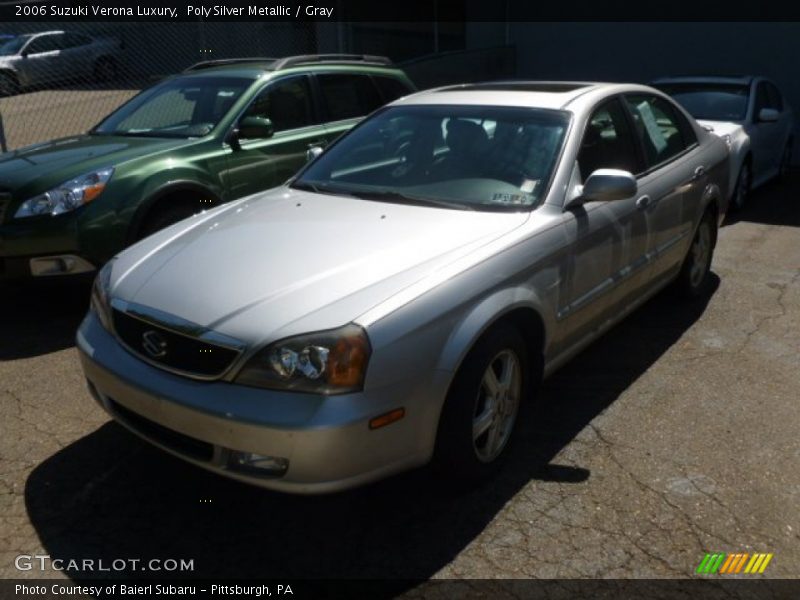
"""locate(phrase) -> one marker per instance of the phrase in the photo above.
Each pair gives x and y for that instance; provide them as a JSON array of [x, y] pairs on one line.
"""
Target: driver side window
[[607, 142], [286, 103]]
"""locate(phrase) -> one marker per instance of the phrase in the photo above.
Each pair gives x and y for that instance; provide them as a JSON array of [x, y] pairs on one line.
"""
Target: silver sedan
[[399, 299]]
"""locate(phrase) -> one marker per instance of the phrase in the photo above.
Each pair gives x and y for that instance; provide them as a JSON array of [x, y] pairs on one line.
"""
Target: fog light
[[59, 265], [257, 464]]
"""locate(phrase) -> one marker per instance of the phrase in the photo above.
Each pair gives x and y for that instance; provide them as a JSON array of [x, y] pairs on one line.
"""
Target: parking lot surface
[[674, 435]]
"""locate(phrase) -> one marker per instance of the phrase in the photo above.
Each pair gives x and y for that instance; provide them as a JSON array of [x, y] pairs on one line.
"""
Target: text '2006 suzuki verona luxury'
[[399, 299]]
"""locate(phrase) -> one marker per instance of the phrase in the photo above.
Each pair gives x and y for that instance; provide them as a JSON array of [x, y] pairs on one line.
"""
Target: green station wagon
[[219, 131]]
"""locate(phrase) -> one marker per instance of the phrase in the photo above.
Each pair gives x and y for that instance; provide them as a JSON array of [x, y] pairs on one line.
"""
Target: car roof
[[556, 95], [717, 79], [257, 66]]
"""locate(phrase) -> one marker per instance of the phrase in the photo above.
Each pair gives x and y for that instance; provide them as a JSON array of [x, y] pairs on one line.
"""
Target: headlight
[[101, 301], [328, 362], [728, 141], [67, 196]]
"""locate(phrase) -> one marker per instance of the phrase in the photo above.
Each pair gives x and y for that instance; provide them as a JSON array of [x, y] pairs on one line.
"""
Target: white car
[[750, 114]]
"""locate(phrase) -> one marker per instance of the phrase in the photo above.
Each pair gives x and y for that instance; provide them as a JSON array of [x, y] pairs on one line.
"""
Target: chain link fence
[[58, 81]]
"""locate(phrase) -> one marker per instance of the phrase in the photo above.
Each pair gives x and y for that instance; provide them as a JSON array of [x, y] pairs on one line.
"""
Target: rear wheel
[[786, 160], [693, 278], [480, 413], [105, 70]]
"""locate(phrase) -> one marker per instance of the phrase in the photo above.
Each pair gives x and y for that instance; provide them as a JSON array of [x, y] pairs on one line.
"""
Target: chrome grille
[[177, 349]]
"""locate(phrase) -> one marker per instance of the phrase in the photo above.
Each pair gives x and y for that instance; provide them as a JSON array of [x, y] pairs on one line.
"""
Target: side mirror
[[606, 185], [768, 115], [313, 153], [255, 128]]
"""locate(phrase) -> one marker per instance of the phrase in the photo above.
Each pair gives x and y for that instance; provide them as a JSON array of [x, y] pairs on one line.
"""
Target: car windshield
[[456, 156], [14, 45], [184, 107], [713, 102]]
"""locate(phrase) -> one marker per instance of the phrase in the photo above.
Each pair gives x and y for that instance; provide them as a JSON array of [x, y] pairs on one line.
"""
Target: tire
[[741, 191], [9, 86], [786, 161], [476, 427], [105, 70], [168, 214], [693, 279]]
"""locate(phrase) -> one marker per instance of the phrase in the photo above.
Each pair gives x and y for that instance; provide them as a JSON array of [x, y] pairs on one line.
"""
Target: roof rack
[[207, 64], [291, 61]]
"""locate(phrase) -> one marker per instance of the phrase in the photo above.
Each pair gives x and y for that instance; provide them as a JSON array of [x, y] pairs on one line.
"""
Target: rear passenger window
[[657, 127], [391, 88], [346, 96], [607, 142]]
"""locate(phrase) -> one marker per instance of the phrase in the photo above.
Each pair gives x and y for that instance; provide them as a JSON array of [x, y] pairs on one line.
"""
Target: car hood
[[51, 163], [288, 261], [721, 128]]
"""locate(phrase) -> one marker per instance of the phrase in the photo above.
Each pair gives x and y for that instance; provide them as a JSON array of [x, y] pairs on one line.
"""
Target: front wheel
[[480, 413], [9, 86], [693, 278], [169, 214], [742, 190]]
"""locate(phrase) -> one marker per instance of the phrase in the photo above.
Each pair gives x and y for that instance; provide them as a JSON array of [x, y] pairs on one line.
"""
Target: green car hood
[[43, 166]]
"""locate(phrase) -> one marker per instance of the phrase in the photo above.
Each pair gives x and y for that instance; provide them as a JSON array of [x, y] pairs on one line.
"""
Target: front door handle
[[318, 144], [644, 202], [699, 172]]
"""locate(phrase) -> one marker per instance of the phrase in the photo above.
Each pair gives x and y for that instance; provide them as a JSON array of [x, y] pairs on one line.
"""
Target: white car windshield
[[12, 46], [458, 156], [712, 102]]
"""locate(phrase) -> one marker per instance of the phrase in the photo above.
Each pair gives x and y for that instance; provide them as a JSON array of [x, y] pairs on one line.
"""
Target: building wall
[[640, 52]]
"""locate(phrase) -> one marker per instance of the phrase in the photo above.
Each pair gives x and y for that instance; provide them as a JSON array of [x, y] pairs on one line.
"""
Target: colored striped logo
[[727, 564]]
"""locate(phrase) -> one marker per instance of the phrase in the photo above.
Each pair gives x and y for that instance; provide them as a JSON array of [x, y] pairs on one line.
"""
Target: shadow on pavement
[[40, 317], [109, 495]]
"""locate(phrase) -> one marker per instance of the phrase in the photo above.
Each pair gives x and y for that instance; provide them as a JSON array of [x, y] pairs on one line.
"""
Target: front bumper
[[326, 441], [41, 248]]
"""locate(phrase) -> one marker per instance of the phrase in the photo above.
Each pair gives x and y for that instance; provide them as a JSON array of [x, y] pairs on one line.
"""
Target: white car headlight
[[328, 362], [67, 196], [728, 141], [101, 301]]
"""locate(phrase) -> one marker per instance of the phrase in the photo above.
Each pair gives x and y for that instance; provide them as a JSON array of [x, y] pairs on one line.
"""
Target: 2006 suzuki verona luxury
[[399, 299]]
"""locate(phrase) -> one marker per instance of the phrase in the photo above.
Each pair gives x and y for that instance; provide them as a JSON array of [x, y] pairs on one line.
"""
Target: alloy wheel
[[496, 406]]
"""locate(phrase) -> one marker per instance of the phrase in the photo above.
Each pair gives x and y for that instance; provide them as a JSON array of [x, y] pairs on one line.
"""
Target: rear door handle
[[644, 202]]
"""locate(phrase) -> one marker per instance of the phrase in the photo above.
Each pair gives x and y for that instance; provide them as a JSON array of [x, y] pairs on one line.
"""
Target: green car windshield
[[183, 108], [493, 158]]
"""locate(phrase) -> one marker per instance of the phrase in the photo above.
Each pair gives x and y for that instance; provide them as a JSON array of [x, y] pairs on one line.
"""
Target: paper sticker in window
[[653, 130]]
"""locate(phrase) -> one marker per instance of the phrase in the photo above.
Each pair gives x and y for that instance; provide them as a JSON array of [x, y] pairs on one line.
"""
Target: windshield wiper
[[136, 134], [394, 196], [306, 186]]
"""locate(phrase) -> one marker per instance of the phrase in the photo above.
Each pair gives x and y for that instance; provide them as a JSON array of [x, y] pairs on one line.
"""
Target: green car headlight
[[67, 196]]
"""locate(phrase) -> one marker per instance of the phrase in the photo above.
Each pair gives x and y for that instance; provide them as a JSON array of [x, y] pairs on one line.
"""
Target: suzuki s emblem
[[154, 344]]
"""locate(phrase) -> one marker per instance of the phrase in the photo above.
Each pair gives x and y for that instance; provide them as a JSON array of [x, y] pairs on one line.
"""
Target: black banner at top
[[394, 10]]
